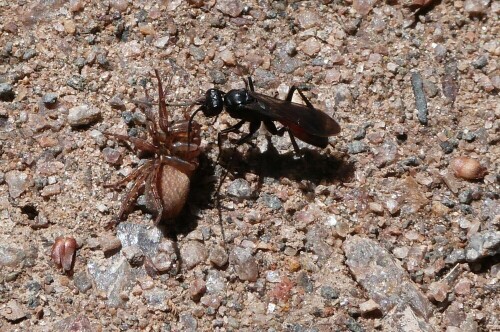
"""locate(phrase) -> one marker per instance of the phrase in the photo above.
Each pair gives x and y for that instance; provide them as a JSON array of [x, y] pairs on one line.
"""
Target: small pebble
[[197, 289], [217, 76], [480, 62], [227, 57], [218, 256], [233, 8], [49, 99], [456, 256], [329, 293], [112, 156], [83, 115], [133, 254], [308, 19], [17, 182], [110, 244], [476, 7], [51, 190], [273, 276], [420, 100], [162, 262], [240, 188], [438, 291], [370, 308], [193, 253], [310, 47], [271, 201], [76, 82], [12, 311], [483, 244], [244, 264], [465, 197], [357, 147], [462, 287], [82, 281], [6, 92], [392, 206]]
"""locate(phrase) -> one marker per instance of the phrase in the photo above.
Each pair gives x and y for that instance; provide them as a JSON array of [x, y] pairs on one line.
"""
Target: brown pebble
[[467, 168], [51, 190], [69, 27], [370, 308], [293, 264], [197, 289], [438, 291], [146, 29], [110, 244]]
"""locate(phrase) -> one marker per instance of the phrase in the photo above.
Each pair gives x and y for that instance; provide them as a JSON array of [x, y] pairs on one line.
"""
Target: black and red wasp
[[304, 122]]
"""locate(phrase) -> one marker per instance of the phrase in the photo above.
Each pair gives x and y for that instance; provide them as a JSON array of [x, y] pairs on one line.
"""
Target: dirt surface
[[385, 229]]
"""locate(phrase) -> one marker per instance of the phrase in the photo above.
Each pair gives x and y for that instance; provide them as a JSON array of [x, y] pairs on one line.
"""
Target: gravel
[[374, 232]]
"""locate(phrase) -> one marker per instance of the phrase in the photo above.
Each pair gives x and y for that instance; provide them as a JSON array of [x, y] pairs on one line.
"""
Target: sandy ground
[[384, 229]]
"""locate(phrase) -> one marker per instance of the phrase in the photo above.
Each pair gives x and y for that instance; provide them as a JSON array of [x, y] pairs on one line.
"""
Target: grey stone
[[28, 54], [386, 282], [17, 182], [329, 293], [157, 298], [145, 237], [272, 201], [82, 281], [483, 244], [215, 282], [76, 82], [456, 256], [49, 99], [240, 188], [6, 92], [112, 277], [357, 147], [476, 7]]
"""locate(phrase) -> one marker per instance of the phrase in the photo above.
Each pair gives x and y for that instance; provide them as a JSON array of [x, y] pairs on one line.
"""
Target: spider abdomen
[[173, 189]]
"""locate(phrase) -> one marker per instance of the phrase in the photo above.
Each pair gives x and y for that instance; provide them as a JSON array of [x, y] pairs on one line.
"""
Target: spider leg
[[163, 117], [179, 163], [138, 143], [132, 193], [155, 186], [132, 176]]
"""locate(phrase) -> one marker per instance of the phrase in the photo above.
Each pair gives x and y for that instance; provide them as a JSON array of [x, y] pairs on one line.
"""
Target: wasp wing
[[296, 116]]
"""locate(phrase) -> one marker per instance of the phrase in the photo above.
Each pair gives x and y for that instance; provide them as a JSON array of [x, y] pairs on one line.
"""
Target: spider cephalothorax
[[165, 177]]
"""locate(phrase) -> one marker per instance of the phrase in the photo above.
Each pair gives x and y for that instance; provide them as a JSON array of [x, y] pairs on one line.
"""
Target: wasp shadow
[[311, 165]]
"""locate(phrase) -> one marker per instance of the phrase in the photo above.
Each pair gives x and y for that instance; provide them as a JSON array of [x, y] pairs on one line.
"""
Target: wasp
[[304, 122]]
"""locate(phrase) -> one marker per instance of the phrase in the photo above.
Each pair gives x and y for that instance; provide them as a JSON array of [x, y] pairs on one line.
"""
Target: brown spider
[[165, 178]]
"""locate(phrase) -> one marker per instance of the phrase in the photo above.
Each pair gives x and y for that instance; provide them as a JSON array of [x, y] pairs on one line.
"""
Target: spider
[[165, 177]]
